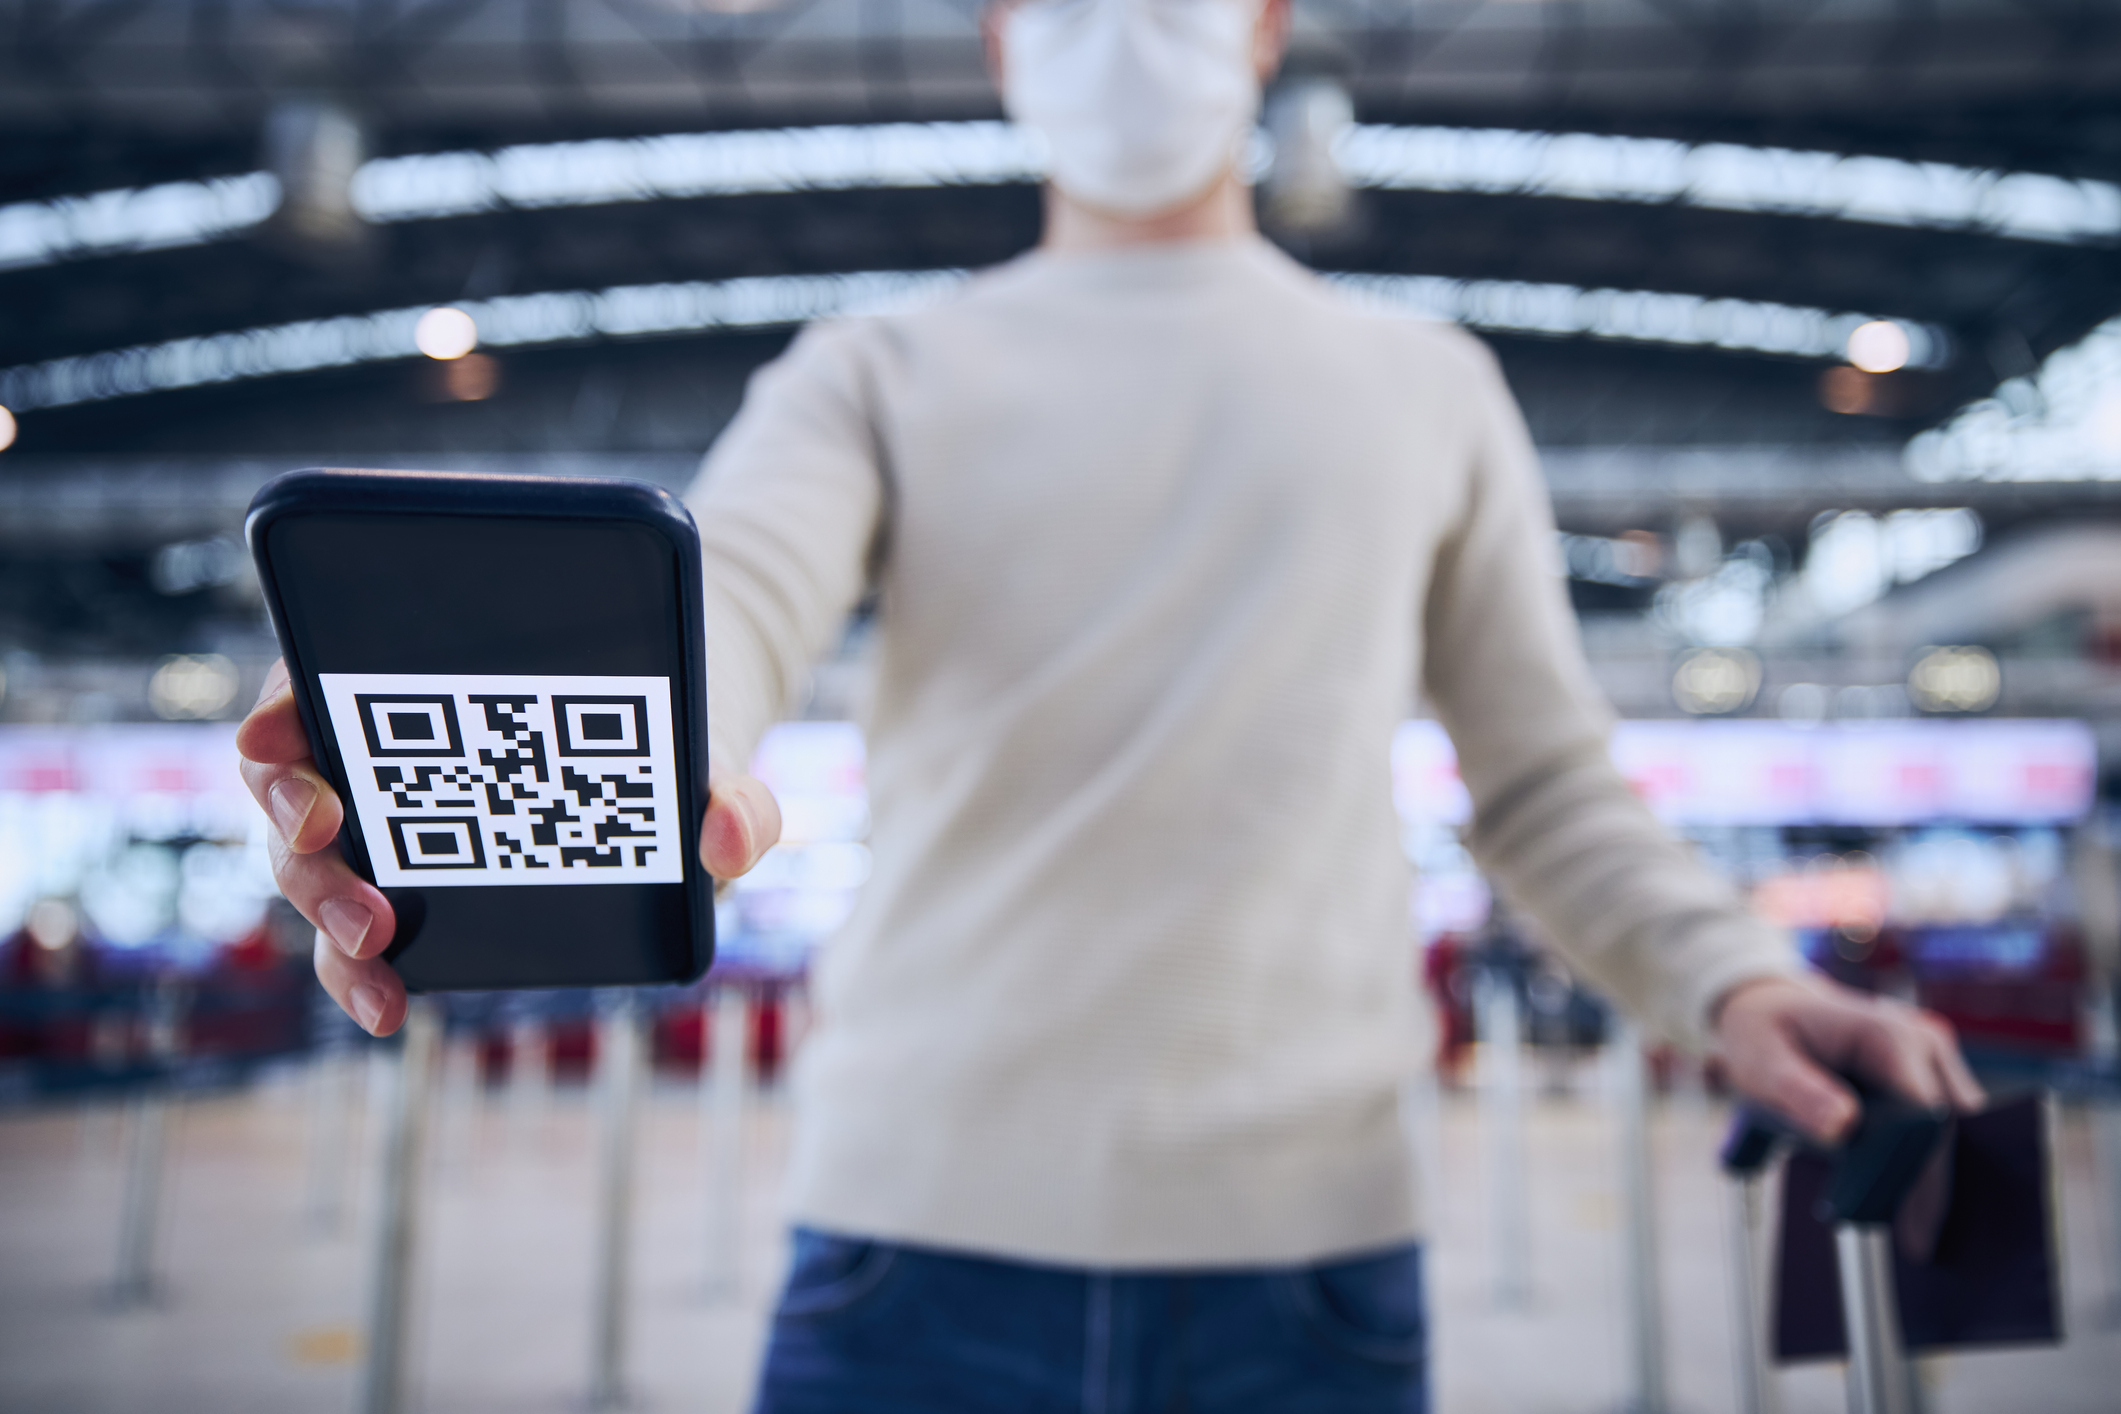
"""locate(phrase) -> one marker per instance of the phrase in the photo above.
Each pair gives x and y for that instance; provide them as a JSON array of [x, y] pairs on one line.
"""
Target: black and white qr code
[[495, 779]]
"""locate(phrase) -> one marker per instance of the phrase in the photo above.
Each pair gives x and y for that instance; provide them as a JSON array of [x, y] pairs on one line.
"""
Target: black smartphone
[[501, 676]]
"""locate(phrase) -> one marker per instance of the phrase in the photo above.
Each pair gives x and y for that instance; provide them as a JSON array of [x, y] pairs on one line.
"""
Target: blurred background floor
[[261, 1309]]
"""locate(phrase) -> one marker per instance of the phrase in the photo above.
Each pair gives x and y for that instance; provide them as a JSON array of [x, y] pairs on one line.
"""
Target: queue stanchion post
[[1628, 1085], [333, 1082], [456, 1094], [621, 1048], [1501, 1030], [1745, 1158], [331, 1102], [723, 1093], [529, 1074], [146, 1142], [2104, 1052], [408, 1099], [2106, 1130], [1421, 1117], [146, 1151]]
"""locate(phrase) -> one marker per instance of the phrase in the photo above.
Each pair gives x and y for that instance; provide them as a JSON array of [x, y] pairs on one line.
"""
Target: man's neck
[[1222, 213]]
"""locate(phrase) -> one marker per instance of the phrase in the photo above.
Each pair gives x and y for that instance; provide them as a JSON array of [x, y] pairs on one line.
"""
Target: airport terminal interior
[[1814, 313]]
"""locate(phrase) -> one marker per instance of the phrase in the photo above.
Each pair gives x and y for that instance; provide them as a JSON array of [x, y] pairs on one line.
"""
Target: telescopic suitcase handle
[[1874, 1168], [1872, 1173]]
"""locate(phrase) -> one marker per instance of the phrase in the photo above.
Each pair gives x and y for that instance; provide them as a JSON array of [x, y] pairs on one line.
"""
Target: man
[[1100, 1110]]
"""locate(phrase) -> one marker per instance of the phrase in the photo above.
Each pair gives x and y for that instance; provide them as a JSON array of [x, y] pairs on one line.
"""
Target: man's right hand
[[354, 921]]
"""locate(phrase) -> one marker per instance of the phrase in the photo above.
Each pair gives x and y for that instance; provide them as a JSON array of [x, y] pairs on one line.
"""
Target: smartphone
[[502, 678]]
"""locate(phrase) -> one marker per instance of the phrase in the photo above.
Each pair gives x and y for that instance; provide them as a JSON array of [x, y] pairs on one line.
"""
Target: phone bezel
[[466, 495]]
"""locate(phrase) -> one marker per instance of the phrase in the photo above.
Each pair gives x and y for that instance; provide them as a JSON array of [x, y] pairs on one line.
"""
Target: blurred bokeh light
[[1814, 316]]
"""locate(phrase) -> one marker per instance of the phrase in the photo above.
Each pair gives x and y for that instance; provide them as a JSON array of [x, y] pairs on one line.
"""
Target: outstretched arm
[[787, 506], [1573, 847]]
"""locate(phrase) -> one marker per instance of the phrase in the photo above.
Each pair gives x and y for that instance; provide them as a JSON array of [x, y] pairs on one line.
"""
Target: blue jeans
[[882, 1329]]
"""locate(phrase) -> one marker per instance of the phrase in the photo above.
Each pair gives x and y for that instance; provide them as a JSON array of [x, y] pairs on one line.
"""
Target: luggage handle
[[1875, 1168]]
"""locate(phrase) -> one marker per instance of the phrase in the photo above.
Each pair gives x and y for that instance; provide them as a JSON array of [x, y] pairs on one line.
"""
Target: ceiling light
[[445, 333], [1305, 191], [1881, 346], [772, 301], [1848, 391], [1955, 679], [2028, 206], [1714, 682], [2060, 423], [470, 379], [314, 148], [190, 687]]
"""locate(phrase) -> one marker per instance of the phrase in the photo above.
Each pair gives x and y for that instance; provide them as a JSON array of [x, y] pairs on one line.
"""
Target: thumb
[[743, 821]]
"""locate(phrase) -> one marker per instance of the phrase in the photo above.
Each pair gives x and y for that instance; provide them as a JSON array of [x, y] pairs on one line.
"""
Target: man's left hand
[[1781, 1036]]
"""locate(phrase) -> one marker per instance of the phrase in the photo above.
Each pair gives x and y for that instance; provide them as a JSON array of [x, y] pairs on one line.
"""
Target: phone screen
[[504, 703]]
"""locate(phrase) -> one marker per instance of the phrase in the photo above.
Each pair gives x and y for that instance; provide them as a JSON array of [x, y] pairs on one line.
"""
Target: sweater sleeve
[[787, 504], [1554, 822]]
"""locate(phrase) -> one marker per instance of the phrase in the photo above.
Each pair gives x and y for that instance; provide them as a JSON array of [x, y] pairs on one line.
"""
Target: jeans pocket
[[1371, 1308], [829, 1274]]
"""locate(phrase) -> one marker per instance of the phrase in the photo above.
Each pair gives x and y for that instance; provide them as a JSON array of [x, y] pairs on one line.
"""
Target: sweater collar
[[1163, 264]]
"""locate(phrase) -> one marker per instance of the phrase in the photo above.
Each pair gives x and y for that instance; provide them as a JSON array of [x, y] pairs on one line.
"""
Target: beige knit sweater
[[1169, 538]]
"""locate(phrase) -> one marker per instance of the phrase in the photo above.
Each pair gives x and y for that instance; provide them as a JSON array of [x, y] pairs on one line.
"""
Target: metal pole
[[1421, 1116], [146, 1137], [330, 1122], [146, 1144], [1756, 1380], [331, 1102], [722, 1089], [2104, 1051], [382, 1388], [2106, 1128], [1645, 1299], [529, 1074], [620, 1050], [1503, 1127], [1878, 1374], [456, 1100]]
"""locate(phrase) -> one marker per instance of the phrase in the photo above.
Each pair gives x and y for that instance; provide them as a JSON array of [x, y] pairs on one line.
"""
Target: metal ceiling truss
[[675, 395], [2002, 300], [2015, 83], [99, 93]]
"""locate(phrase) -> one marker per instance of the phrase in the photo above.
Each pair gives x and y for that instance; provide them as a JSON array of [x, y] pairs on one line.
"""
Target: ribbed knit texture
[[1172, 536]]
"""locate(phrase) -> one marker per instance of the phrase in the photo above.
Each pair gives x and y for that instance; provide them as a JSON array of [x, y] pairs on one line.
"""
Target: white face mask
[[1143, 103]]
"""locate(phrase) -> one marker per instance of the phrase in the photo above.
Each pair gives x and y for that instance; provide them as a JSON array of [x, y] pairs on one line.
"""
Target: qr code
[[493, 779]]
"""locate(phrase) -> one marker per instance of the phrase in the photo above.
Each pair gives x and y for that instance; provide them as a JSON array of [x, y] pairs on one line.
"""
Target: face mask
[[1143, 103]]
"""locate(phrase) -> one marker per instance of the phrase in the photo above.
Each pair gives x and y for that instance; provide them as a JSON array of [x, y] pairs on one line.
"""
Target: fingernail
[[292, 800], [347, 922], [749, 814], [367, 1002]]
